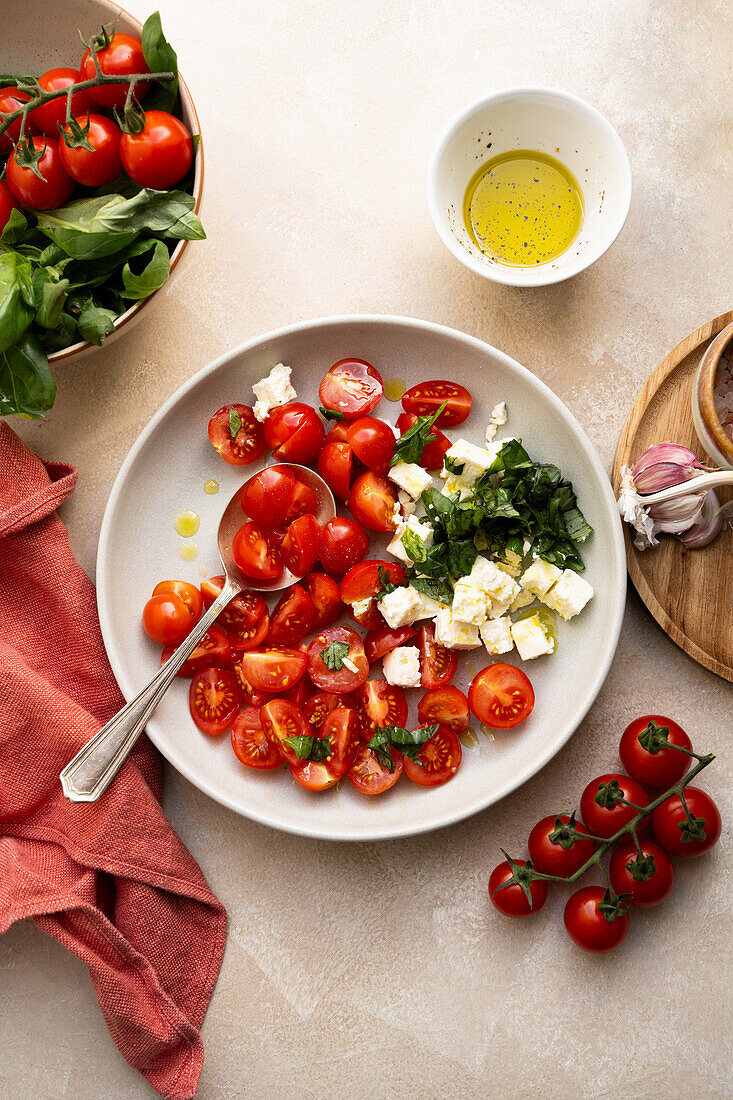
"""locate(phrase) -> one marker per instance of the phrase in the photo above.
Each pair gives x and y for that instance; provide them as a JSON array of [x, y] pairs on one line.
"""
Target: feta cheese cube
[[453, 634], [401, 666], [503, 596], [469, 602], [496, 634], [569, 595], [361, 607], [429, 607], [423, 531], [475, 460], [497, 419], [540, 577], [273, 390], [410, 477], [522, 599], [531, 639], [399, 608]]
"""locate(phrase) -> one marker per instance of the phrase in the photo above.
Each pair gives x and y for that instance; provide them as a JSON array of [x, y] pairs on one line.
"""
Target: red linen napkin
[[109, 880]]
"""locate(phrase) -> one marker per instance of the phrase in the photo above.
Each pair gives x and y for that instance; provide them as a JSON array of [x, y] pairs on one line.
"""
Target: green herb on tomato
[[309, 748], [409, 447], [333, 655], [409, 743]]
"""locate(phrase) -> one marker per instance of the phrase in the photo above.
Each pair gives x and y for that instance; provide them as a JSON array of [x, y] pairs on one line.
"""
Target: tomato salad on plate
[[483, 553]]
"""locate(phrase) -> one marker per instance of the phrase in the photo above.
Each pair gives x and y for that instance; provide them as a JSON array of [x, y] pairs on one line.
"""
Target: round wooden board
[[689, 592]]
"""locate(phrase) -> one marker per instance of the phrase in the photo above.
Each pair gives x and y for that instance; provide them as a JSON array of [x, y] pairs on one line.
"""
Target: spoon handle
[[701, 483], [89, 774]]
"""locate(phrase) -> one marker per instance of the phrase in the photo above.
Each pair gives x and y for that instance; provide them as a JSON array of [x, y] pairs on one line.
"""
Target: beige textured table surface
[[315, 205]]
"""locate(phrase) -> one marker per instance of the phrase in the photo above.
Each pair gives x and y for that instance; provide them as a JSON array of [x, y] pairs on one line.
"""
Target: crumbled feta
[[402, 666], [423, 531], [469, 602], [410, 477], [497, 420], [406, 503], [475, 460], [531, 639], [273, 390], [452, 484], [399, 608], [361, 607], [453, 634], [569, 595], [496, 634], [539, 578], [503, 596], [351, 665], [522, 599]]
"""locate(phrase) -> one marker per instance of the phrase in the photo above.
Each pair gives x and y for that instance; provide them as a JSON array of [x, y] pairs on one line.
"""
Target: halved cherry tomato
[[343, 678], [243, 637], [294, 433], [280, 719], [247, 445], [49, 115], [213, 651], [292, 617], [273, 669], [372, 441], [344, 543], [371, 777], [189, 593], [341, 727], [437, 664], [446, 705], [371, 501], [352, 387], [314, 775], [437, 761], [267, 495], [240, 613], [334, 466], [213, 700], [380, 642], [436, 446], [301, 545], [166, 619], [320, 705], [123, 57], [11, 100], [255, 555], [425, 399], [326, 596], [379, 704], [371, 618], [605, 820], [251, 744], [304, 502], [501, 696], [299, 693], [47, 191], [338, 432]]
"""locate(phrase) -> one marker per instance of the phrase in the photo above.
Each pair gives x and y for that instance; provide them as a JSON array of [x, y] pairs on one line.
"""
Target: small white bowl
[[544, 120]]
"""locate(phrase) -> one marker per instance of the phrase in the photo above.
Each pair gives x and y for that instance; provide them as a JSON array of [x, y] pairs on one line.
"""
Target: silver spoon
[[89, 774]]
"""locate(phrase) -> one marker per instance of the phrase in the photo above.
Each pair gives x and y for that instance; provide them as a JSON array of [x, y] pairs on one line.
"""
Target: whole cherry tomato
[[50, 115], [628, 868], [97, 168], [605, 817], [511, 900], [11, 100], [122, 57], [40, 194], [680, 836], [166, 619], [344, 543], [656, 766], [554, 851], [160, 154], [589, 926]]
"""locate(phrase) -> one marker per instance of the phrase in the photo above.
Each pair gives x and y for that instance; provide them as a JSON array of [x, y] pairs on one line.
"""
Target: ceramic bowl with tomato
[[28, 51]]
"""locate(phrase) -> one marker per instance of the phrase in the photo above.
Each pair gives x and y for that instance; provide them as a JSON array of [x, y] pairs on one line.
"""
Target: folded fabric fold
[[110, 880]]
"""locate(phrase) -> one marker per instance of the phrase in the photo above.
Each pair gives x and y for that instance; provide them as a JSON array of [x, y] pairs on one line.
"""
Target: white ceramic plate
[[165, 472]]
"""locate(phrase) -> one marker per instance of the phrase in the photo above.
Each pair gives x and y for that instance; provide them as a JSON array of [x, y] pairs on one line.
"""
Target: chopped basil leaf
[[385, 583], [309, 748], [332, 414], [434, 588], [414, 546], [452, 466], [409, 743], [333, 655], [235, 422], [409, 447]]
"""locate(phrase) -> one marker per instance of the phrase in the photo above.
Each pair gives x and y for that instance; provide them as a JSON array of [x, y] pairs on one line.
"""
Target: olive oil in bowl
[[523, 208]]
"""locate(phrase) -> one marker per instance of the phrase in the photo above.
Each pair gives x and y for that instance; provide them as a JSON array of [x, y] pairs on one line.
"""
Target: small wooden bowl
[[711, 433]]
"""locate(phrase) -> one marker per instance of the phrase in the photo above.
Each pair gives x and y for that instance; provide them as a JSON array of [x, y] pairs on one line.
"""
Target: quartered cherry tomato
[[604, 820], [338, 432], [512, 900], [425, 399], [321, 704], [372, 441], [352, 387], [334, 465], [662, 768], [340, 677], [213, 651], [551, 857], [341, 727], [267, 495], [97, 167], [344, 543], [8, 203], [301, 545], [314, 775], [275, 668], [380, 704], [247, 444], [243, 637], [326, 596], [588, 926], [437, 761], [292, 617], [436, 446], [251, 696], [281, 719], [372, 500], [49, 115], [122, 57], [166, 619], [369, 776], [669, 824], [255, 555], [299, 693], [294, 433], [213, 699], [40, 194], [437, 664], [304, 502], [382, 641], [501, 696], [251, 744], [11, 100], [626, 864], [445, 705]]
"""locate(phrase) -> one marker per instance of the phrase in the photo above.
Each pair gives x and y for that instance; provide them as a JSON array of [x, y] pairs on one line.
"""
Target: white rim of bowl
[[619, 582], [502, 273]]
